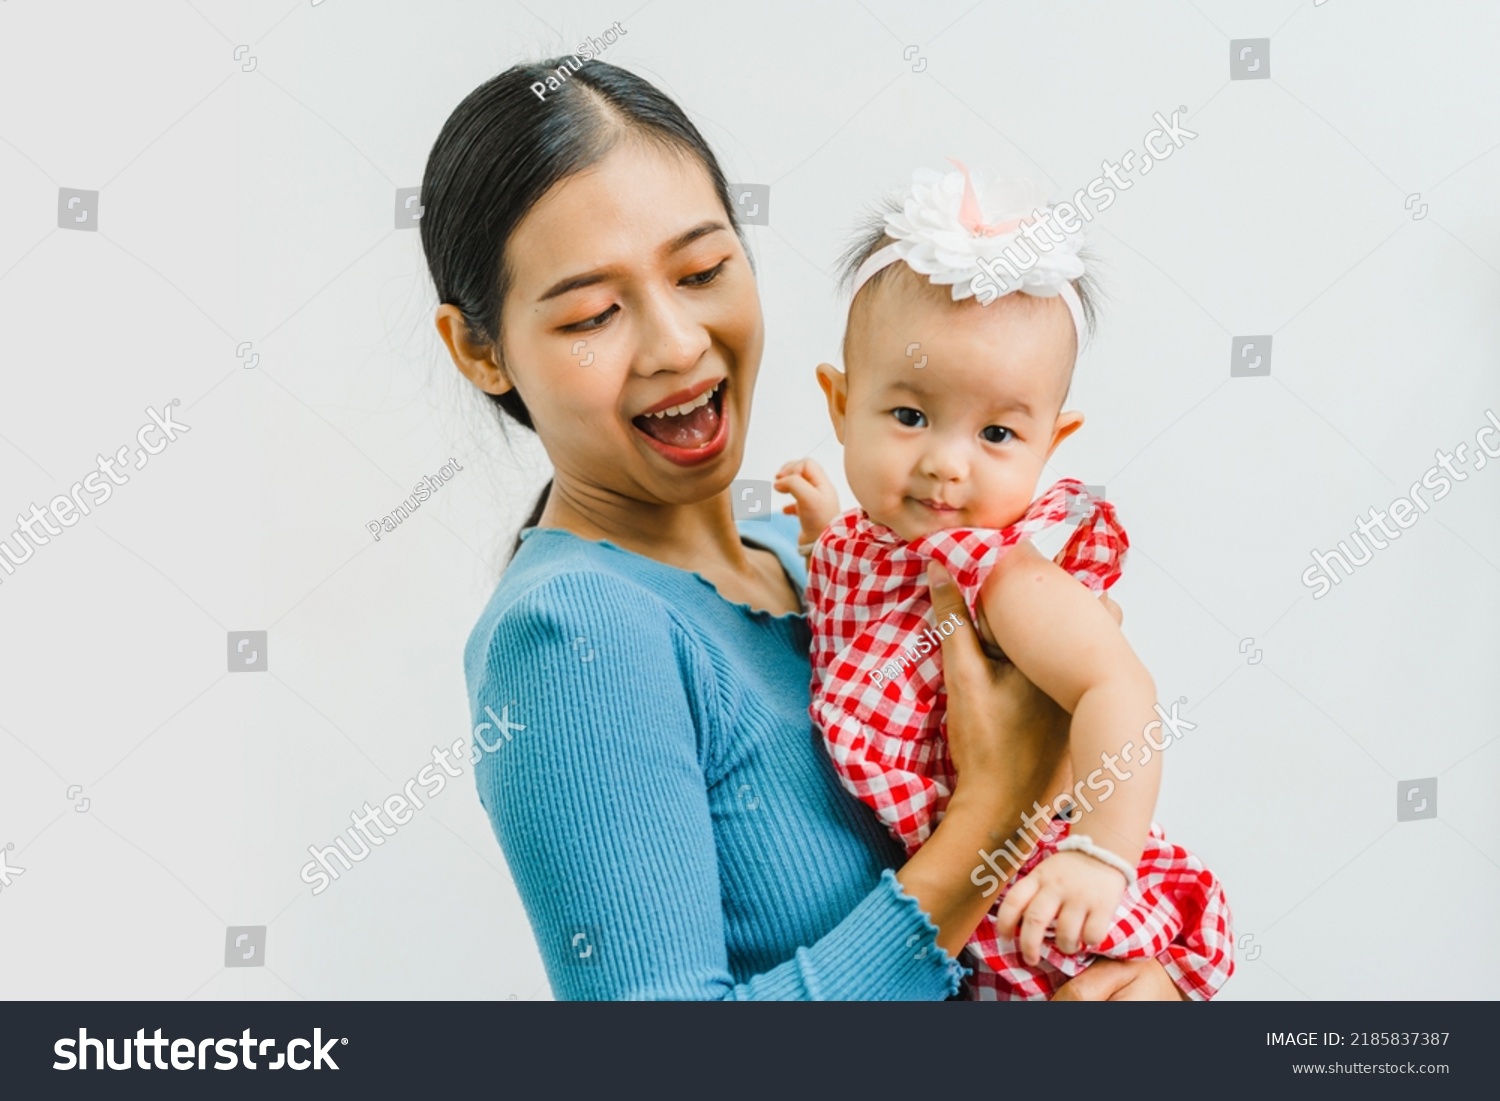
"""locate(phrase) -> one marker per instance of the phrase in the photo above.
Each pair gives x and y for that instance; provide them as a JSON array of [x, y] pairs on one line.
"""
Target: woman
[[672, 827]]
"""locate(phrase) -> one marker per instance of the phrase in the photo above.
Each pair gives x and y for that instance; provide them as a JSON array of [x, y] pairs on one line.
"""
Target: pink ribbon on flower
[[971, 217]]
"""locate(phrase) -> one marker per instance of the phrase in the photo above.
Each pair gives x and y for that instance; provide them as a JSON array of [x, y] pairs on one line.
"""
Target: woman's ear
[[835, 386], [1067, 423], [477, 362]]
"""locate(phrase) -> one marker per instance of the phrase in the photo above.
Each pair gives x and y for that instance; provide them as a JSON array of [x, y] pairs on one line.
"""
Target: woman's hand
[[1008, 742], [1009, 745], [1120, 981], [1003, 731], [1007, 739]]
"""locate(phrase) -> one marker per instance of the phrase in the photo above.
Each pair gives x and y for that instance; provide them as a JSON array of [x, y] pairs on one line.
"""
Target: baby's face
[[955, 434]]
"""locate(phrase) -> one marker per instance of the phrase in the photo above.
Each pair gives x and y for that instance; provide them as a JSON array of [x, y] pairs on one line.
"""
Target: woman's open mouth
[[691, 432]]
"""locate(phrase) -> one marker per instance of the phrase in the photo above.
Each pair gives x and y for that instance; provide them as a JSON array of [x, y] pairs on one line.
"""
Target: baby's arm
[[1067, 644], [816, 500]]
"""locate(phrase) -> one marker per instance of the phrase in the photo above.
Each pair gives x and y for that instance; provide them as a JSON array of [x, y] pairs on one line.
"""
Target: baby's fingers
[[1097, 927], [795, 484], [1009, 914], [815, 474], [1039, 917], [1070, 923]]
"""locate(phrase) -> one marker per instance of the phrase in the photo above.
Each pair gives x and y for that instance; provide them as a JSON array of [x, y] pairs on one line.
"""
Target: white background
[[259, 206]]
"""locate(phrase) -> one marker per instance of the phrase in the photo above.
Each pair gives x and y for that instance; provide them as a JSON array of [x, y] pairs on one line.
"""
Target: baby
[[948, 412]]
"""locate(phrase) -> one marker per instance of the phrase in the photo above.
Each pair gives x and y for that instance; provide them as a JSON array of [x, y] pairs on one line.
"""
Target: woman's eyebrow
[[683, 240], [575, 282], [588, 279]]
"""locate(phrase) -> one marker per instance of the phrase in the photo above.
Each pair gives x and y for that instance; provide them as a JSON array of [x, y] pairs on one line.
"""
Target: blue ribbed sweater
[[673, 825]]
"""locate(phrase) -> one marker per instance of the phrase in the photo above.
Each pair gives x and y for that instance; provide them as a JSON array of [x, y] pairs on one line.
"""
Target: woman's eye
[[592, 322], [703, 278], [911, 418], [995, 434]]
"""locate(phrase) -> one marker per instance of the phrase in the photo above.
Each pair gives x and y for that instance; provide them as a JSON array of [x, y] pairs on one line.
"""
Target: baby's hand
[[1076, 891], [816, 501]]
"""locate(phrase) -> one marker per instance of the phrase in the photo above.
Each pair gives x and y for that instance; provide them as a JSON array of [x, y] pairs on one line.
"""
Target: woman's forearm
[[940, 875], [1008, 742]]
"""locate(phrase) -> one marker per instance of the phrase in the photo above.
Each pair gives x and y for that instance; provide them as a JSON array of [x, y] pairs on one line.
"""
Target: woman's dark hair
[[502, 149]]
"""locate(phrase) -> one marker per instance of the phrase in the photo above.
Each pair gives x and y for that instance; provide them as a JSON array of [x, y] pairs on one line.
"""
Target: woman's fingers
[[1003, 732], [1098, 982], [1121, 981], [962, 654]]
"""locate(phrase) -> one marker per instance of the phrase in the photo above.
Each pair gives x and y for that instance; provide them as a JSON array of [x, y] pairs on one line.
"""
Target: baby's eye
[[911, 418], [993, 433]]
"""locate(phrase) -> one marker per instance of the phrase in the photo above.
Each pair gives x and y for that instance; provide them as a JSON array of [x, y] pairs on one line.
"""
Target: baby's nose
[[943, 462]]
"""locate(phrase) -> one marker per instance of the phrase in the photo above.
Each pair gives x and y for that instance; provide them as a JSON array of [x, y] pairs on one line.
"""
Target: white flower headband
[[941, 232]]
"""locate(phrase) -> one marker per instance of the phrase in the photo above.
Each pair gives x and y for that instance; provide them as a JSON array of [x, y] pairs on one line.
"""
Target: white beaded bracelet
[[1083, 843]]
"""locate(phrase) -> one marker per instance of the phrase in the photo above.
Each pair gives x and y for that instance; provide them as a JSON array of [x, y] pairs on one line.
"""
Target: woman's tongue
[[689, 431]]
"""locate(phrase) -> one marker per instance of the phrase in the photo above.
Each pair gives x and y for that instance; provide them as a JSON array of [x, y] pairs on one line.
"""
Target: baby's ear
[[835, 386], [1068, 422]]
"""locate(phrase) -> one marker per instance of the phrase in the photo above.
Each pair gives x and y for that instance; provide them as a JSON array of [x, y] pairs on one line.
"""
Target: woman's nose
[[671, 338]]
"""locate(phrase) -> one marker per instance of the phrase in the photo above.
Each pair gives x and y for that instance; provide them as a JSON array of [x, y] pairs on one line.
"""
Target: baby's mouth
[[690, 426]]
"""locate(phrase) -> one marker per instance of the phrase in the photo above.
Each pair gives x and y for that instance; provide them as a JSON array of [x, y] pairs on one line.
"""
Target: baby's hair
[[870, 237]]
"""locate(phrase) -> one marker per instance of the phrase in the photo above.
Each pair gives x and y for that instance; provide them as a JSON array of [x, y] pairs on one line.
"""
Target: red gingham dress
[[878, 698]]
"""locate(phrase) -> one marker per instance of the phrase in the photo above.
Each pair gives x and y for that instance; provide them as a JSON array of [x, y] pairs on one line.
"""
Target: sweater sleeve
[[602, 808]]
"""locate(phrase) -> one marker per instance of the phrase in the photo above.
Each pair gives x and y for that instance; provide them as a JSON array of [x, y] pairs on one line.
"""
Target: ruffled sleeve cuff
[[885, 949]]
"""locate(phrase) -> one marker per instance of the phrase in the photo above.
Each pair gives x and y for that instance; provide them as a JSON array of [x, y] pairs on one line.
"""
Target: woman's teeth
[[687, 407]]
